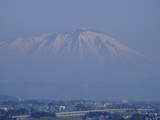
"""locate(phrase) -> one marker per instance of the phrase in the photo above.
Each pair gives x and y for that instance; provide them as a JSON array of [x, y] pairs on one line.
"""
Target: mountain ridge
[[81, 42]]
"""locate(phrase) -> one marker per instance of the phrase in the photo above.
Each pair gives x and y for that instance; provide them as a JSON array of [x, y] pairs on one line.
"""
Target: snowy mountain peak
[[81, 42]]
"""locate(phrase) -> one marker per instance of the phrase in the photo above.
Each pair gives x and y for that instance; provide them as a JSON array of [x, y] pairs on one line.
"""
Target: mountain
[[81, 42], [32, 74]]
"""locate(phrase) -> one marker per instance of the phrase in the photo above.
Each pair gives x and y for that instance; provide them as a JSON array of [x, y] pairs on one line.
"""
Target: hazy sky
[[135, 23]]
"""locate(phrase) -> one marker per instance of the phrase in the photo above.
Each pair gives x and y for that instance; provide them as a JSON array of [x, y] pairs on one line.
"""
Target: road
[[81, 113]]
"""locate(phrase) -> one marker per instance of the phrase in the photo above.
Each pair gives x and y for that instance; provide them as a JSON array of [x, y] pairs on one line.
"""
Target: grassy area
[[59, 118]]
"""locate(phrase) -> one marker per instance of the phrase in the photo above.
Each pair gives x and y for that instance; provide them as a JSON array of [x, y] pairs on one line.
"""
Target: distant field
[[59, 118]]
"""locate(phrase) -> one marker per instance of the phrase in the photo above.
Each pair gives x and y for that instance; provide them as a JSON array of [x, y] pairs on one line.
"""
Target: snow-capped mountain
[[81, 42]]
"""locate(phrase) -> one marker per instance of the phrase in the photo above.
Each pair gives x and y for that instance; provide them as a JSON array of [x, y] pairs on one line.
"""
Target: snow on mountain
[[81, 42]]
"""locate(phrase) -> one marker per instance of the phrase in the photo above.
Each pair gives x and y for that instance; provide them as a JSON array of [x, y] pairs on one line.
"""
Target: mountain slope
[[82, 42]]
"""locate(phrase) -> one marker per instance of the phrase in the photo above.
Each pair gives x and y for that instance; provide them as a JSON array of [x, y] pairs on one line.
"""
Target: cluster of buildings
[[18, 109]]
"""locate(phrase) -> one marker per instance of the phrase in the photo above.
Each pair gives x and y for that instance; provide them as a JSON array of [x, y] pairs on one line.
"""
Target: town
[[12, 108]]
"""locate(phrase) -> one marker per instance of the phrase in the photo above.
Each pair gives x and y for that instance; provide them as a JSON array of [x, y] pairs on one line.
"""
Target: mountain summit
[[81, 42]]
